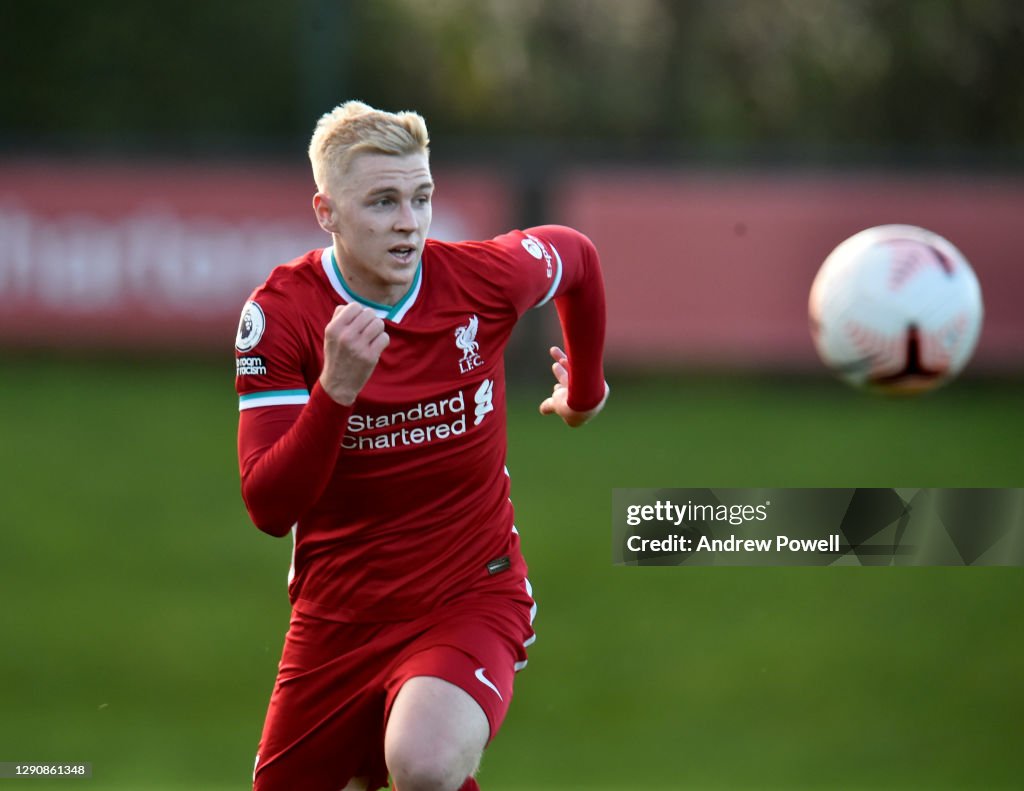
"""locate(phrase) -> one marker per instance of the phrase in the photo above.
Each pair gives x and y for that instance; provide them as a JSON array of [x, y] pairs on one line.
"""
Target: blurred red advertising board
[[162, 256], [701, 269], [715, 270]]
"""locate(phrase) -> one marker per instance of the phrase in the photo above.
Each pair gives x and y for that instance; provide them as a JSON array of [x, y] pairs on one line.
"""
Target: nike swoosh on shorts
[[484, 680]]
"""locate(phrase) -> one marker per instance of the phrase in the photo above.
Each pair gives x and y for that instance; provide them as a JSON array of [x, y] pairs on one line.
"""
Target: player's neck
[[385, 297], [367, 291]]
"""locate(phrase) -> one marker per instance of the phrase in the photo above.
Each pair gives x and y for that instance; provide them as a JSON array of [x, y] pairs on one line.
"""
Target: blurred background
[[153, 171]]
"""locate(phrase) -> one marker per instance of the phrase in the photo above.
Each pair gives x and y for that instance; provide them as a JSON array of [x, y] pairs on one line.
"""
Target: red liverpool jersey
[[412, 506]]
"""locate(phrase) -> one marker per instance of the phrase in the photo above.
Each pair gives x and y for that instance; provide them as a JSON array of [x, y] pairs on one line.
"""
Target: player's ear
[[324, 210]]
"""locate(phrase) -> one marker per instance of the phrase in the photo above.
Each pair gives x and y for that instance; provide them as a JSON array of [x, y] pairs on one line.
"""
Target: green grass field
[[143, 615]]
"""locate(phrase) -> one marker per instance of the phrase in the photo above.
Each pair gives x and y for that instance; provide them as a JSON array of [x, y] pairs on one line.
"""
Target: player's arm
[[287, 453], [580, 389]]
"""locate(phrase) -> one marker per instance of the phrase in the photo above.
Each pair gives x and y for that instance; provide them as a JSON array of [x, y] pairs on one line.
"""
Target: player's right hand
[[353, 342]]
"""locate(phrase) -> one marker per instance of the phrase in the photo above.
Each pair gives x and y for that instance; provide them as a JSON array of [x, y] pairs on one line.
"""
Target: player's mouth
[[403, 253]]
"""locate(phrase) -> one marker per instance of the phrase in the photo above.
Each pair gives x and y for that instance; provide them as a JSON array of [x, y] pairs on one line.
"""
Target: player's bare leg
[[434, 737], [356, 784]]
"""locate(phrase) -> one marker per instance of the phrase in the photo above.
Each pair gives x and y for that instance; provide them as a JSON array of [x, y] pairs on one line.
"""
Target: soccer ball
[[896, 309]]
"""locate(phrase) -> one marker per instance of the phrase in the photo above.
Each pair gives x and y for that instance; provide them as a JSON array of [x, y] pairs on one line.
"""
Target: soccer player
[[372, 428]]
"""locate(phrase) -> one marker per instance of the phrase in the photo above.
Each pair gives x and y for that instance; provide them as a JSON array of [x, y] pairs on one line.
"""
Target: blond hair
[[356, 128]]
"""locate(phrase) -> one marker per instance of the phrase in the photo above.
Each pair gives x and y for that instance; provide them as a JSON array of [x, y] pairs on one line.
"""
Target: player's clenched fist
[[353, 342]]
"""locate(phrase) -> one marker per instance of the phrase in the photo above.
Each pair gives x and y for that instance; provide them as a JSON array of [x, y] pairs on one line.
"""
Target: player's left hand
[[558, 402]]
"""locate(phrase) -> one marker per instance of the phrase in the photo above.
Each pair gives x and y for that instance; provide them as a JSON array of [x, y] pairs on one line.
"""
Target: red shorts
[[337, 681]]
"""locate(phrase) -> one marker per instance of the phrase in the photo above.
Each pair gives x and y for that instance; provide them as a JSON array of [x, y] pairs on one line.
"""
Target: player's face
[[380, 216]]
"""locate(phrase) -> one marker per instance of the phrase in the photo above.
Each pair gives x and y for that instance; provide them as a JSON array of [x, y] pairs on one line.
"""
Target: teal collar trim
[[391, 312]]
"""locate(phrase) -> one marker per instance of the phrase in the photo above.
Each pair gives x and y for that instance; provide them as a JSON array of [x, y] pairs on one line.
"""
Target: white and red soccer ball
[[896, 308]]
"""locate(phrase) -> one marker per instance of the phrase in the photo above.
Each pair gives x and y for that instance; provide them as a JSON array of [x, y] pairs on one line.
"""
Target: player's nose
[[405, 219]]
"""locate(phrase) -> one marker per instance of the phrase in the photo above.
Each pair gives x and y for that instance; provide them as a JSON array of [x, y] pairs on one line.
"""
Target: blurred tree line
[[626, 77]]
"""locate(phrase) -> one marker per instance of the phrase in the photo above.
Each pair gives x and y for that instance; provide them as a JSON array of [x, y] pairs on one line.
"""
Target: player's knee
[[427, 768]]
